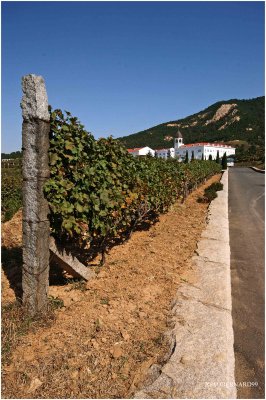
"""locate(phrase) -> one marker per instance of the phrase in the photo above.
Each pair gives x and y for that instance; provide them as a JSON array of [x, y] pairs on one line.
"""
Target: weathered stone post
[[35, 171]]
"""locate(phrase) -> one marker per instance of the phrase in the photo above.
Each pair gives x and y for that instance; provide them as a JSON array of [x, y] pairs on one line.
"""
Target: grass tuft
[[16, 323]]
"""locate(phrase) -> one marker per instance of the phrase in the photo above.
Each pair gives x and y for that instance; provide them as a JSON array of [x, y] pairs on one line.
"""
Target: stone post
[[35, 171]]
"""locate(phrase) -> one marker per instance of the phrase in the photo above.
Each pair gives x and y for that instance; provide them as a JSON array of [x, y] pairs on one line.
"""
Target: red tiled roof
[[206, 144], [164, 148], [135, 149]]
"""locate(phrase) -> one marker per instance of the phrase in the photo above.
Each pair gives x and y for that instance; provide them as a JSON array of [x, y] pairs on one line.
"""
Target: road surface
[[246, 221]]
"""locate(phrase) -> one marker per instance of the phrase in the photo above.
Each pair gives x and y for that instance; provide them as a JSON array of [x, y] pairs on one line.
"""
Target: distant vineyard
[[11, 163], [11, 192], [98, 192]]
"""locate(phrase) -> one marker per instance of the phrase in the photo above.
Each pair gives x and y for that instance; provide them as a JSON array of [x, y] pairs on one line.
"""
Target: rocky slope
[[230, 120]]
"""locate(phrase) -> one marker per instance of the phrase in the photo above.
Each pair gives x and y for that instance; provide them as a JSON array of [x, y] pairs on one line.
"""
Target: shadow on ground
[[12, 258], [12, 267]]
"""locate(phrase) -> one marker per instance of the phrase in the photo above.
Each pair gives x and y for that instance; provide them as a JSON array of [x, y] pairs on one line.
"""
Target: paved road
[[246, 221]]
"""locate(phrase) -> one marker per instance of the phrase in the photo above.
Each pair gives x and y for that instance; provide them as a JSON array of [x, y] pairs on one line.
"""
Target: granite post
[[35, 171]]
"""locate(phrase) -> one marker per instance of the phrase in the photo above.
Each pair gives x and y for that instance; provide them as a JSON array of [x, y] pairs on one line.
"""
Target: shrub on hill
[[210, 192], [250, 127]]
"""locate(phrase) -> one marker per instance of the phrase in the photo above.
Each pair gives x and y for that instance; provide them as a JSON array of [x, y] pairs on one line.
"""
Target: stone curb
[[262, 171], [202, 362]]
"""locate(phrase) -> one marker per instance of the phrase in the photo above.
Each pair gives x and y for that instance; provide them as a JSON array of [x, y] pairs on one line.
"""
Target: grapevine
[[98, 193]]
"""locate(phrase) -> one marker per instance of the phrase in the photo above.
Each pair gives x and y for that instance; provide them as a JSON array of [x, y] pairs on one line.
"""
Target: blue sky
[[122, 67]]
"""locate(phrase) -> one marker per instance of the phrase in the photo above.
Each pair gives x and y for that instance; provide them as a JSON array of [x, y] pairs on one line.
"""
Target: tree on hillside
[[186, 159], [252, 152], [192, 156], [210, 157], [250, 127], [218, 157], [224, 161], [13, 155]]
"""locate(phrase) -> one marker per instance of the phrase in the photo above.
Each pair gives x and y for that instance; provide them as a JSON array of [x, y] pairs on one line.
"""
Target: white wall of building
[[206, 150], [143, 151], [163, 153], [212, 149], [180, 151]]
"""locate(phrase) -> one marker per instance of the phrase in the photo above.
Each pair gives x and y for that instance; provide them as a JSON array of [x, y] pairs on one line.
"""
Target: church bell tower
[[178, 140]]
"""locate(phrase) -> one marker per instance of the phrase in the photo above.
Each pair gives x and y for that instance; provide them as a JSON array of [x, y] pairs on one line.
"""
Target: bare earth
[[110, 330]]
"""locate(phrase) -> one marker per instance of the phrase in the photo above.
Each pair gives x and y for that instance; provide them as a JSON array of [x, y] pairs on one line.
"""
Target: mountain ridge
[[225, 120]]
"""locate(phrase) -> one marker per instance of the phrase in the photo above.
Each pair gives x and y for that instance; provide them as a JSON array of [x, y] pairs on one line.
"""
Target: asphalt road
[[246, 222]]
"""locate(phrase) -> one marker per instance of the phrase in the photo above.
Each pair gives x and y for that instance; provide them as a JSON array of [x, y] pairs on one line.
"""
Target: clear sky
[[122, 67]]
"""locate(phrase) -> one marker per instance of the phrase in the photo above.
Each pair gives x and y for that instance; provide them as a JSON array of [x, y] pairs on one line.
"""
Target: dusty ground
[[111, 329]]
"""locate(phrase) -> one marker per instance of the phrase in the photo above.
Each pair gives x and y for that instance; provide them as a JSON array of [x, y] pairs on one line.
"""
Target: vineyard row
[[98, 192]]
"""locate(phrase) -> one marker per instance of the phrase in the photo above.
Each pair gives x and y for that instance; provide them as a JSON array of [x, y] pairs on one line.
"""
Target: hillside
[[13, 155], [230, 120], [240, 123]]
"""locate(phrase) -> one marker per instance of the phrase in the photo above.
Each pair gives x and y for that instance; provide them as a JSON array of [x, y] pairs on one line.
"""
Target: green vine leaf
[[98, 190]]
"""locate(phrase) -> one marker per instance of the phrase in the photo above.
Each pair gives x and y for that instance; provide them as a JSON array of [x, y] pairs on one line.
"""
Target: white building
[[165, 153], [141, 151], [199, 149]]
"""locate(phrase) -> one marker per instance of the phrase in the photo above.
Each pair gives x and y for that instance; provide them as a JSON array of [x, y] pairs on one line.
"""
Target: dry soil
[[112, 328]]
